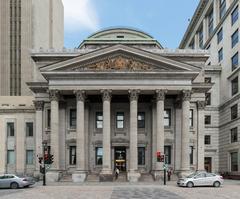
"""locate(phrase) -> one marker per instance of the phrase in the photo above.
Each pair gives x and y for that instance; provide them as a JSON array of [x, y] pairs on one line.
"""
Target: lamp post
[[44, 168]]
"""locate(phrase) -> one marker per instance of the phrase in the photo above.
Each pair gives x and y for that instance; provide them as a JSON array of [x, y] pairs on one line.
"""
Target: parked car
[[14, 182], [201, 179]]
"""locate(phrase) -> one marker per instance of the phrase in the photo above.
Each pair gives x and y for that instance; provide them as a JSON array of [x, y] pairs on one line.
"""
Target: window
[[120, 120], [141, 155], [235, 61], [167, 152], [234, 112], [141, 120], [222, 8], [29, 157], [191, 118], [219, 36], [72, 155], [234, 38], [99, 155], [167, 117], [234, 15], [234, 84], [208, 98], [10, 157], [48, 118], [29, 129], [200, 36], [10, 129], [191, 154], [207, 119], [210, 23], [220, 55], [208, 80], [234, 161], [99, 120], [207, 139], [72, 118], [192, 45], [234, 135]]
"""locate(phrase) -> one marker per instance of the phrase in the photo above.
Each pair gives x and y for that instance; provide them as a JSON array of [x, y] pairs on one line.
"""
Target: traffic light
[[162, 158], [50, 159], [158, 156], [40, 160]]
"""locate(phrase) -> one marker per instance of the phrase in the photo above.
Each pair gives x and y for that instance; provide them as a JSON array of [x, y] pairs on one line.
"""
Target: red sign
[[158, 153]]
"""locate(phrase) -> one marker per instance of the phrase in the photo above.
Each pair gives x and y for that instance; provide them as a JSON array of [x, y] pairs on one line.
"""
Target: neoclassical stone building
[[117, 100]]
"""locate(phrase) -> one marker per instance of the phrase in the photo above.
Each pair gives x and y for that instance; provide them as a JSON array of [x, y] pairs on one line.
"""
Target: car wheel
[[216, 184], [189, 184], [14, 185]]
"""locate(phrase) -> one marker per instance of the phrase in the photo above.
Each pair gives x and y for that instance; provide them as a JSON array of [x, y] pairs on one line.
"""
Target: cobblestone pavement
[[230, 190]]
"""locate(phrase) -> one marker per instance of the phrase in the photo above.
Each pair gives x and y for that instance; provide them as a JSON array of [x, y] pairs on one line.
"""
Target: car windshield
[[191, 175]]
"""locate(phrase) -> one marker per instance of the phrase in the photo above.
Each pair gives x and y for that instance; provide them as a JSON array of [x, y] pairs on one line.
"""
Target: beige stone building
[[215, 27]]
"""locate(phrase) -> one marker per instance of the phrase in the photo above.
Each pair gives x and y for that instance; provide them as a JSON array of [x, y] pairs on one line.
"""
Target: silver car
[[201, 179], [14, 182]]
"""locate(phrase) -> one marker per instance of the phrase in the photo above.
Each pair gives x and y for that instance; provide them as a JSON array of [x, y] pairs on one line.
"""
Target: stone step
[[122, 177], [92, 178], [146, 177], [66, 178]]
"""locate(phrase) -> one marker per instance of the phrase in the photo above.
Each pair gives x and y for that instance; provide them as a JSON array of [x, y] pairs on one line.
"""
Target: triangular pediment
[[119, 58]]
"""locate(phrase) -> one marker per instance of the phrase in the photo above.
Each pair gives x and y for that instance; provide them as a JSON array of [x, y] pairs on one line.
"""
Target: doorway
[[208, 164], [120, 158]]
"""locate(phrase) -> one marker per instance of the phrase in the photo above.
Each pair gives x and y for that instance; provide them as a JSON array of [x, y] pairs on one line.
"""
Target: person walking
[[116, 173]]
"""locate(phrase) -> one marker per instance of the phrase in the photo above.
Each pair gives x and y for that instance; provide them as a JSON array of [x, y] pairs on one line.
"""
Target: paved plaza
[[231, 189]]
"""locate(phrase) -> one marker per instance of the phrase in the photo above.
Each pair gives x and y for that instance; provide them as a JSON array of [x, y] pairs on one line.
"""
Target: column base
[[79, 176], [53, 176], [158, 175], [133, 176]]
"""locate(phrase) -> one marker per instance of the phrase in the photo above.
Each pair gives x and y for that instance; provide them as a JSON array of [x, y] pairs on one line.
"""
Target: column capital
[[160, 94], [106, 94], [80, 95], [38, 105], [133, 94], [54, 95], [201, 104], [186, 95]]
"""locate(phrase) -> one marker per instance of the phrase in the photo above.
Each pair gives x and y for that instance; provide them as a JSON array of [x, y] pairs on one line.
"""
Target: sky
[[165, 20]]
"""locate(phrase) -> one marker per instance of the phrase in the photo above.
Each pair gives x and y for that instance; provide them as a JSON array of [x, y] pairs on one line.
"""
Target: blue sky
[[165, 20]]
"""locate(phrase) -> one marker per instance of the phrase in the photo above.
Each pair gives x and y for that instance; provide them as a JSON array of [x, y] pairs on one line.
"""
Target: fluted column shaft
[[185, 164]]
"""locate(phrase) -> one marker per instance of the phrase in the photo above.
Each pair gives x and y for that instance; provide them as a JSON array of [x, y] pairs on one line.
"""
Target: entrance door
[[120, 158], [208, 164]]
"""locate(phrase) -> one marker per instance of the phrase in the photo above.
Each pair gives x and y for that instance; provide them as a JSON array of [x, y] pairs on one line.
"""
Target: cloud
[[79, 15]]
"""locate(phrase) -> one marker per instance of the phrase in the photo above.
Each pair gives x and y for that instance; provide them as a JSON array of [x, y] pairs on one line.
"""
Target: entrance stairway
[[66, 178], [122, 177], [146, 177], [92, 178]]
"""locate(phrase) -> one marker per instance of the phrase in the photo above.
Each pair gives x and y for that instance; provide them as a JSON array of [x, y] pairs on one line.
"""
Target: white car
[[14, 182], [201, 179]]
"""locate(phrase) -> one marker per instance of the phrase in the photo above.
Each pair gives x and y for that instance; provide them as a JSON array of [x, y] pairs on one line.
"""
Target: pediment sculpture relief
[[118, 63]]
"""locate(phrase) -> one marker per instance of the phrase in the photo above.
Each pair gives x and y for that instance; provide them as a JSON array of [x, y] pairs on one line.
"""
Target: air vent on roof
[[120, 36]]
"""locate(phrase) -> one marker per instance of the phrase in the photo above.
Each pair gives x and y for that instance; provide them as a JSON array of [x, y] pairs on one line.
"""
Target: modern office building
[[215, 27]]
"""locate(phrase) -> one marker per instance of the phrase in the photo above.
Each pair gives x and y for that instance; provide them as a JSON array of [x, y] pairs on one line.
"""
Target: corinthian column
[[106, 173], [200, 139], [80, 174], [39, 132], [185, 164], [133, 174]]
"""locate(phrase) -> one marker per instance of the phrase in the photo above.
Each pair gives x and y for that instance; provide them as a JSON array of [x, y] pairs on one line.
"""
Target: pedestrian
[[116, 173], [169, 173]]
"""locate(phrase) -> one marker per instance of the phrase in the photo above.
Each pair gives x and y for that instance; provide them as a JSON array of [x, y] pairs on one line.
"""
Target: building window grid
[[99, 155], [207, 119], [29, 129], [234, 111], [222, 8], [207, 139], [72, 155], [234, 161], [167, 152], [141, 155], [220, 55], [120, 120], [234, 135], [234, 84], [234, 15], [234, 60], [48, 118], [10, 157], [234, 38], [200, 36], [29, 157], [191, 155], [208, 99], [219, 35], [72, 118], [191, 118], [141, 120], [99, 120], [167, 117], [10, 129], [210, 23]]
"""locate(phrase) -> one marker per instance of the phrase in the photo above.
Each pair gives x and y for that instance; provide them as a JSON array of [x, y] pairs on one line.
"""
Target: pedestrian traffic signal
[[40, 159], [50, 159]]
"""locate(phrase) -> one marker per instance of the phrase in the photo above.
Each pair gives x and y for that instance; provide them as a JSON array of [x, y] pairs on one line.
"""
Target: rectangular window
[[72, 155], [167, 117], [208, 98], [191, 154], [210, 23], [72, 118], [220, 55], [141, 155], [191, 118], [234, 135], [99, 120], [208, 80], [10, 129], [207, 119], [141, 120], [99, 155], [207, 139], [235, 61], [29, 129], [29, 157], [120, 120], [200, 36], [48, 118], [10, 157], [222, 8], [234, 38], [234, 161], [234, 84], [234, 15], [167, 152], [234, 112], [219, 35]]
